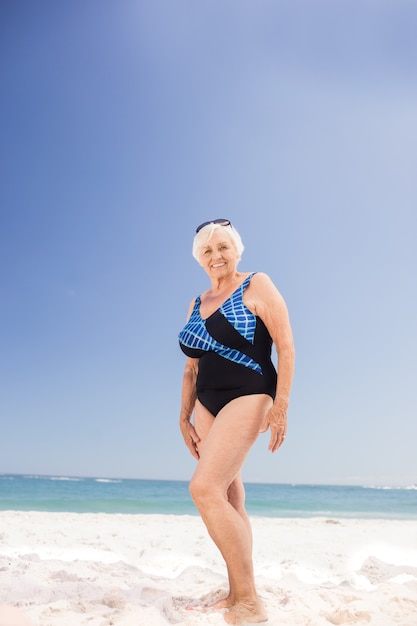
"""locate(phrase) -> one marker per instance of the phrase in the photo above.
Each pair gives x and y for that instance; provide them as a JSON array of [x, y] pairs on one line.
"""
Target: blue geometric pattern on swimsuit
[[238, 314], [195, 335]]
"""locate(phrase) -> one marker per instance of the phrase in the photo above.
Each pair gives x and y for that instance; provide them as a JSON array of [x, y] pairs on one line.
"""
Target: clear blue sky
[[124, 125]]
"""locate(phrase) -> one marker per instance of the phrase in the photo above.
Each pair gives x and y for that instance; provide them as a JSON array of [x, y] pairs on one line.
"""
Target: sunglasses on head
[[219, 221]]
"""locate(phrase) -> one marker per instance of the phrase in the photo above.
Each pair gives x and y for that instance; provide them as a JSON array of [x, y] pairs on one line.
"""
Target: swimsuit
[[234, 350]]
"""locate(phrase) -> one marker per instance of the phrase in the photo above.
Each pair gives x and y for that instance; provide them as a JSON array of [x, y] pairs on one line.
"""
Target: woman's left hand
[[276, 421]]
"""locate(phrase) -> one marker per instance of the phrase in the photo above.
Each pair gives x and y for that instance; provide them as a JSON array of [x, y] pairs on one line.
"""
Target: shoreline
[[285, 515], [132, 496], [71, 569]]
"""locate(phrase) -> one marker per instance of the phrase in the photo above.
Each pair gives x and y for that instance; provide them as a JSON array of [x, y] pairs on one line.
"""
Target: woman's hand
[[190, 437], [276, 421]]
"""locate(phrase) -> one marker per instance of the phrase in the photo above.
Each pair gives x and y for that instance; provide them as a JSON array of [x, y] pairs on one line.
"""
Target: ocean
[[108, 495]]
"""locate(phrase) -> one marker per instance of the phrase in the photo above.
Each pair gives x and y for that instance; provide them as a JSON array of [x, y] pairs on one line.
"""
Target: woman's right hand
[[190, 437]]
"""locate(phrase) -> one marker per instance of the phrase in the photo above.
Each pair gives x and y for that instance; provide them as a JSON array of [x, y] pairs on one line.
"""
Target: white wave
[[390, 487], [66, 478]]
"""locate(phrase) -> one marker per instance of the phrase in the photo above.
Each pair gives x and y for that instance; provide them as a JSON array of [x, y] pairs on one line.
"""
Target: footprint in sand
[[348, 617]]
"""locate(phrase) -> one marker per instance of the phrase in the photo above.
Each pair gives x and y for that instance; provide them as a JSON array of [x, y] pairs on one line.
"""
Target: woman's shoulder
[[194, 302], [260, 278], [263, 286], [256, 274]]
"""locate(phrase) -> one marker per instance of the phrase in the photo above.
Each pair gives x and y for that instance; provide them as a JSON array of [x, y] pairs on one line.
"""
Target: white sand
[[64, 569]]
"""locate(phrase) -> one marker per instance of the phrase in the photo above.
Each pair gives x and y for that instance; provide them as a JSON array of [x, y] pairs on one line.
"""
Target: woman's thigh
[[227, 438], [203, 421]]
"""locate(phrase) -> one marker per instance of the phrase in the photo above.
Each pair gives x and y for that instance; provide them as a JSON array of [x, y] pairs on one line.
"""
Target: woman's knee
[[198, 489], [202, 491]]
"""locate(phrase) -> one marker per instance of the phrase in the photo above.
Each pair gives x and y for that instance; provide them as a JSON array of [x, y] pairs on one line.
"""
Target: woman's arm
[[266, 302], [188, 398]]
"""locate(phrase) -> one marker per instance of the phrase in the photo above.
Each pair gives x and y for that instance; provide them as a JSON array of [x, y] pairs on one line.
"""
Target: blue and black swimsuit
[[234, 350]]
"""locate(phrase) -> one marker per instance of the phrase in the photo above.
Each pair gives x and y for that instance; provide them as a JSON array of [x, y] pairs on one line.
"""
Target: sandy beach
[[68, 569]]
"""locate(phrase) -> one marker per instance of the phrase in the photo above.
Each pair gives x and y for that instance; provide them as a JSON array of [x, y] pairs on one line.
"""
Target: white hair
[[206, 233]]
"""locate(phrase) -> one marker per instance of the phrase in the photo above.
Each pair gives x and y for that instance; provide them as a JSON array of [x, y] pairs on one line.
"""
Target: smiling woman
[[205, 232], [234, 392]]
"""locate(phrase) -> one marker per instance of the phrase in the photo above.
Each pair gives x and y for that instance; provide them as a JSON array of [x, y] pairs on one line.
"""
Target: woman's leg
[[218, 493], [203, 421], [236, 497]]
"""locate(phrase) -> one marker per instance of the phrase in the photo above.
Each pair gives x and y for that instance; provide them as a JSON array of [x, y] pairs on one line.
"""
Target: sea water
[[116, 495]]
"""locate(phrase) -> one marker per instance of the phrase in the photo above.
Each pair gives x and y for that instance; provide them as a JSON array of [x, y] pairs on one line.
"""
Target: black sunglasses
[[219, 221]]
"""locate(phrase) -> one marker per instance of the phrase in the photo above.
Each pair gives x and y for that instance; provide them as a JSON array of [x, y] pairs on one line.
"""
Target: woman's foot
[[207, 603], [246, 613], [223, 603]]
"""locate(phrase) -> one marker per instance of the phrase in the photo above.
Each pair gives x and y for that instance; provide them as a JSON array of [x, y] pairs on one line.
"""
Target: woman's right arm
[[188, 398]]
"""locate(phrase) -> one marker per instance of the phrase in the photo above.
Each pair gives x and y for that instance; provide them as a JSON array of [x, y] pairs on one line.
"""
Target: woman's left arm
[[270, 306]]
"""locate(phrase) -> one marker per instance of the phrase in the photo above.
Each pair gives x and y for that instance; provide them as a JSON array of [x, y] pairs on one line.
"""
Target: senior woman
[[232, 391]]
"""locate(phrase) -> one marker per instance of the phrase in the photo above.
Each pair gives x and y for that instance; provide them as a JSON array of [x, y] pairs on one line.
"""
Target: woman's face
[[218, 256]]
